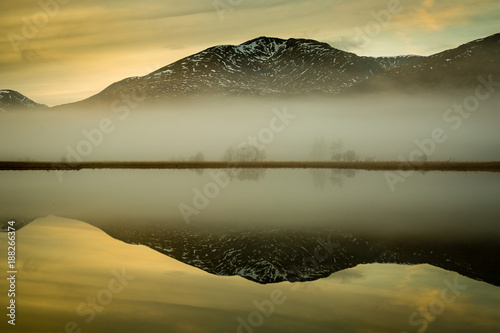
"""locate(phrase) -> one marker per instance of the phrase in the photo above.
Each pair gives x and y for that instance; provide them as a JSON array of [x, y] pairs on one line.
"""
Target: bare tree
[[229, 155], [350, 156], [249, 153], [336, 149], [198, 157], [245, 153], [319, 150]]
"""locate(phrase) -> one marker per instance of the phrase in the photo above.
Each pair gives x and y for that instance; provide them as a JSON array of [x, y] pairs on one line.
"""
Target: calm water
[[65, 265], [63, 262], [434, 203]]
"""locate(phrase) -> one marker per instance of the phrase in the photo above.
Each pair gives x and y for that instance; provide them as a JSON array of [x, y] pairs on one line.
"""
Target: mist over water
[[383, 127], [377, 127]]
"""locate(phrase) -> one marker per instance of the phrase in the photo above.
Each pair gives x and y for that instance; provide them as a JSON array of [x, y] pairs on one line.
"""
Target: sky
[[61, 51]]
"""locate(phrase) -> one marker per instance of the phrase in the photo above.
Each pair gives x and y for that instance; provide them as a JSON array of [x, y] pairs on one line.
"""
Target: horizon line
[[491, 166]]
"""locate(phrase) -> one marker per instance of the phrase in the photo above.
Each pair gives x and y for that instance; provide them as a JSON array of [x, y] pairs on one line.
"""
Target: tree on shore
[[198, 157], [245, 153]]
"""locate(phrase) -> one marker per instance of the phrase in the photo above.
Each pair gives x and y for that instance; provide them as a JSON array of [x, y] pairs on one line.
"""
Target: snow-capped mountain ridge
[[260, 67], [11, 100], [270, 255], [268, 66], [450, 70], [262, 48]]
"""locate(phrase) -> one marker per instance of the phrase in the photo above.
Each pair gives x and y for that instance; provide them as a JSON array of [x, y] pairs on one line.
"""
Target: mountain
[[277, 67], [269, 255], [454, 69], [275, 254], [11, 100], [389, 63], [260, 67]]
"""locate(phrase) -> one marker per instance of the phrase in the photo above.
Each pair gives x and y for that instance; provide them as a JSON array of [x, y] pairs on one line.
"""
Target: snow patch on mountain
[[12, 100]]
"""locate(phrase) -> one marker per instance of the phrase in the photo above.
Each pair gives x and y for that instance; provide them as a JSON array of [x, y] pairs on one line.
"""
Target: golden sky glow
[[69, 50]]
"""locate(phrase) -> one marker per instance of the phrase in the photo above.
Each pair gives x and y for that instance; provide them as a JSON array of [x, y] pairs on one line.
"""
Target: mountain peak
[[273, 41], [263, 40], [270, 66], [13, 100], [4, 92], [263, 47]]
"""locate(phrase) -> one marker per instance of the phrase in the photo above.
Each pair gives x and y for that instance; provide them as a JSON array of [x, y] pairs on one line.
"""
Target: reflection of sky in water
[[62, 262]]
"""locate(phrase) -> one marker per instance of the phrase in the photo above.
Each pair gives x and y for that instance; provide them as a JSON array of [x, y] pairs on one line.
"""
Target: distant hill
[[11, 100], [454, 69]]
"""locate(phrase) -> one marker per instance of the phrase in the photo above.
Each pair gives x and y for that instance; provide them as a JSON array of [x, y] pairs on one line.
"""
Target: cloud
[[432, 16], [346, 43], [116, 39]]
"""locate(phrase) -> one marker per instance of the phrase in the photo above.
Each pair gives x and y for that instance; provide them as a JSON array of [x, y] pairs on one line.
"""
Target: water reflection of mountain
[[268, 255], [155, 293]]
